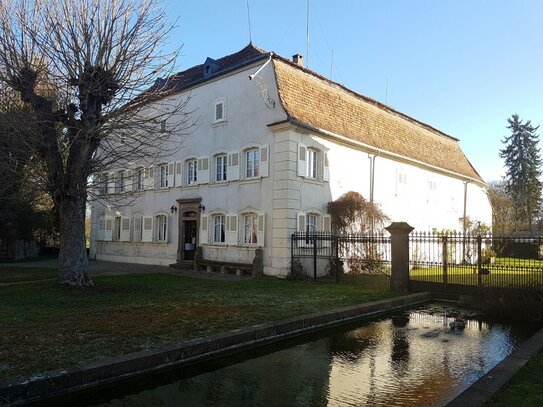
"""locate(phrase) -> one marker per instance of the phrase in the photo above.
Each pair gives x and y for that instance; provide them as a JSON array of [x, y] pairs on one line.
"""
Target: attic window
[[219, 113], [210, 67]]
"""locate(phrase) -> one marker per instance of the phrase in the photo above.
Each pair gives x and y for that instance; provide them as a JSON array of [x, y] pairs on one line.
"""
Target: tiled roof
[[323, 104], [194, 75], [318, 102]]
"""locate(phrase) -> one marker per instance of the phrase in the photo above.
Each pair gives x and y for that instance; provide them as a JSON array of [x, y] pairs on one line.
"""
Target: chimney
[[298, 59]]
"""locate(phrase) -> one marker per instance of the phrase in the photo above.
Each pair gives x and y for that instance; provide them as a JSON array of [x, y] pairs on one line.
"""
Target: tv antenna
[[307, 38], [249, 23]]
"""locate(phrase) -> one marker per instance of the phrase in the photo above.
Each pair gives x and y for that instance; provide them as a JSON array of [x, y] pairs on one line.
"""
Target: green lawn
[[19, 274], [505, 272], [524, 389], [45, 326]]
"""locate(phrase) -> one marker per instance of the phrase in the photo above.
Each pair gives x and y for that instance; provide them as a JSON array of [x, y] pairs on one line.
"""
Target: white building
[[267, 157]]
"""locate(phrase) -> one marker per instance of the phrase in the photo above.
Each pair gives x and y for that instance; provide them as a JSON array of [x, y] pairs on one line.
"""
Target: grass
[[524, 389], [20, 274], [46, 326], [505, 272]]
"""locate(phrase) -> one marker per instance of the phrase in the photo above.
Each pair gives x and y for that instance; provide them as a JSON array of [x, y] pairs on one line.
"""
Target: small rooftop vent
[[298, 59], [210, 67]]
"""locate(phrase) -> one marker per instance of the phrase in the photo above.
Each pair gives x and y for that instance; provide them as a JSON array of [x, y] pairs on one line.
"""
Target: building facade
[[275, 142]]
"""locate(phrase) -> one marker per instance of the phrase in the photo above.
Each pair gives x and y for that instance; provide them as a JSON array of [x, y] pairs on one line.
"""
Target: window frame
[[192, 171], [221, 218], [161, 231], [163, 176], [312, 162], [138, 179], [221, 168], [255, 169], [222, 119], [254, 217], [307, 225]]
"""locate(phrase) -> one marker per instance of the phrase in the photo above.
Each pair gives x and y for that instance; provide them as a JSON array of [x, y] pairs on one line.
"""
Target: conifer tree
[[523, 169]]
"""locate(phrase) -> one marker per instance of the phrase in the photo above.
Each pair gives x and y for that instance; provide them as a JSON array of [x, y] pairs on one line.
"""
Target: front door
[[189, 239]]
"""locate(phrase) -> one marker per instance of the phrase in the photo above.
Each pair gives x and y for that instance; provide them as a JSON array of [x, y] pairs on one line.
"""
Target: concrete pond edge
[[85, 376]]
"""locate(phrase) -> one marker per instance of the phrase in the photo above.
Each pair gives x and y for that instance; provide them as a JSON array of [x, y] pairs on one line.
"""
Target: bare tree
[[87, 70]]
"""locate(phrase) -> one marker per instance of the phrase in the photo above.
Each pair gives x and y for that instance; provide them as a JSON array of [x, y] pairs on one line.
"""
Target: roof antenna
[[331, 64], [386, 92], [249, 21], [307, 38]]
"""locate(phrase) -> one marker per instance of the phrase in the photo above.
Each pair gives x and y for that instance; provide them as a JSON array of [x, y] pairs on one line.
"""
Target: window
[[252, 163], [138, 179], [219, 112], [137, 233], [402, 178], [117, 228], [311, 163], [161, 229], [192, 172], [250, 222], [163, 176], [104, 179], [311, 223], [220, 168], [121, 183], [218, 229]]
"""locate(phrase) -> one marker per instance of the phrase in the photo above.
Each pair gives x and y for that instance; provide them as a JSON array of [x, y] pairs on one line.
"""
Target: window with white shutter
[[108, 232], [125, 229], [178, 173], [232, 229], [326, 168], [147, 229], [264, 160], [302, 160], [204, 230], [232, 172], [203, 170]]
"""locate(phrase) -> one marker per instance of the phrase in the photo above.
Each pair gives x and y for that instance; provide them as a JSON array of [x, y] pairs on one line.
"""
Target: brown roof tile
[[313, 100]]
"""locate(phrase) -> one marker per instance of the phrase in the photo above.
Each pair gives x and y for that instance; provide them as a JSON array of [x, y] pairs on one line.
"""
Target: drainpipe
[[372, 185], [465, 220]]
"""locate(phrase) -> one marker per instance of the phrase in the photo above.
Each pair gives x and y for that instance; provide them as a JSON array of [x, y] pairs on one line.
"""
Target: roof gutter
[[384, 153]]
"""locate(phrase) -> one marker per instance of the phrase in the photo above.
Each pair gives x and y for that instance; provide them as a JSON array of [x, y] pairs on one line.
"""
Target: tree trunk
[[73, 266]]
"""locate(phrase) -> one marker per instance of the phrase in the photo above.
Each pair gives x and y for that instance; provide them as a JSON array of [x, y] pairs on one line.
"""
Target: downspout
[[465, 220], [372, 186]]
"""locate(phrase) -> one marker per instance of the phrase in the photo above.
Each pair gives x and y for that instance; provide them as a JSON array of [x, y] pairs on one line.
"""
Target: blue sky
[[461, 66]]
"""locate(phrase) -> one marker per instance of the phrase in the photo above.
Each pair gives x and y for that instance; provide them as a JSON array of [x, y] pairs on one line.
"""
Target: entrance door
[[189, 239]]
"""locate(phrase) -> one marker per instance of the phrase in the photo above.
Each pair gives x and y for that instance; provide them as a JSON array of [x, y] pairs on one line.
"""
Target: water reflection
[[410, 359]]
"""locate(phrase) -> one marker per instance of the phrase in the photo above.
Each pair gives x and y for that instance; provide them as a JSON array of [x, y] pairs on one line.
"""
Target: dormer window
[[210, 67], [219, 111]]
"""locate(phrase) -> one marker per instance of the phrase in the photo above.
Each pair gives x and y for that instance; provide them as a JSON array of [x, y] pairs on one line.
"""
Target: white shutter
[[171, 175], [125, 229], [302, 160], [232, 171], [231, 230], [203, 170], [147, 233], [204, 232], [327, 228], [260, 231], [326, 223], [156, 181], [264, 160], [300, 222], [148, 177], [326, 168], [108, 232], [178, 173]]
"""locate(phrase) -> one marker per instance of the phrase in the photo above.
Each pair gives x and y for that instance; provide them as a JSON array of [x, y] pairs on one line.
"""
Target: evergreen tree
[[523, 169]]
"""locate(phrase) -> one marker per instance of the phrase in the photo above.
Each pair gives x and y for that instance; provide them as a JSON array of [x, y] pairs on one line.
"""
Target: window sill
[[251, 180], [314, 181], [218, 123], [219, 184], [191, 186]]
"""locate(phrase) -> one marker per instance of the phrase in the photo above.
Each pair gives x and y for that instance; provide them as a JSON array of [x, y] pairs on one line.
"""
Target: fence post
[[445, 257], [335, 247], [399, 241], [314, 256], [479, 275]]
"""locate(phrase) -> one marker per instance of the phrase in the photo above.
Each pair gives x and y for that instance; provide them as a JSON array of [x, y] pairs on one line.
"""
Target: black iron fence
[[454, 259], [322, 254]]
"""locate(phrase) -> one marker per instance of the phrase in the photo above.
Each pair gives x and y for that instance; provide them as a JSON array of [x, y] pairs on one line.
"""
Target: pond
[[411, 358]]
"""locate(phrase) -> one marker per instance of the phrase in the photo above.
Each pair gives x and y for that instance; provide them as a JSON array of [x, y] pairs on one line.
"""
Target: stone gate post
[[399, 240]]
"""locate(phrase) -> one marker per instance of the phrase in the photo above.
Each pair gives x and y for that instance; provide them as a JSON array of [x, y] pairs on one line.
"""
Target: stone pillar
[[399, 239]]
